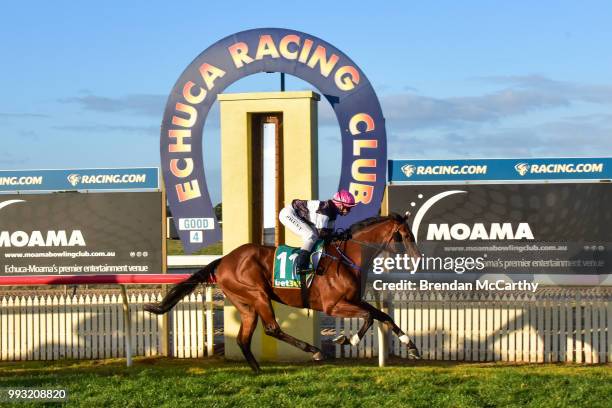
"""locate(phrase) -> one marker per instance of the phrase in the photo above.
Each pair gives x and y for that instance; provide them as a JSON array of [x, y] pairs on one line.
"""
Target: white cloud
[[142, 104], [99, 128], [556, 138], [6, 115]]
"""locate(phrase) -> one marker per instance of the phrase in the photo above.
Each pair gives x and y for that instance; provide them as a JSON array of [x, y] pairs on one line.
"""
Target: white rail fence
[[557, 326], [86, 327], [554, 326]]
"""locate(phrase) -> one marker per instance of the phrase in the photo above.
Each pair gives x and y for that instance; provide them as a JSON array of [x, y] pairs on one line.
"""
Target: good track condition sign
[[337, 77]]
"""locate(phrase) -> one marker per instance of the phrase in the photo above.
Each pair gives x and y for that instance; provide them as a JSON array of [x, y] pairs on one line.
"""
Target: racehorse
[[245, 277]]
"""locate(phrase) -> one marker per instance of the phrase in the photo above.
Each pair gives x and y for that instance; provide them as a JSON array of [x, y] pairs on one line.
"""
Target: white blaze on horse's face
[[409, 242]]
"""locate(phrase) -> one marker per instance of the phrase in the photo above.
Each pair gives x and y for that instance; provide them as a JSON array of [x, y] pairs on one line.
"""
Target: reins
[[346, 260]]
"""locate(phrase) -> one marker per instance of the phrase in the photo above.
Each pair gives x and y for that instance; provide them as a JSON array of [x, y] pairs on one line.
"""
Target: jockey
[[311, 219]]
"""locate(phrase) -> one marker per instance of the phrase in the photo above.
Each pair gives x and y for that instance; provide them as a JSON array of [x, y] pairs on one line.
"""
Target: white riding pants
[[290, 219]]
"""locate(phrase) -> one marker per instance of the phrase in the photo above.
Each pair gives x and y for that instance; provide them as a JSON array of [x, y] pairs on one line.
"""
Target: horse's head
[[404, 235], [389, 230]]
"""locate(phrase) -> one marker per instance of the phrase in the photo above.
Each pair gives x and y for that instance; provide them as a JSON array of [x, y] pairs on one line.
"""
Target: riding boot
[[302, 262]]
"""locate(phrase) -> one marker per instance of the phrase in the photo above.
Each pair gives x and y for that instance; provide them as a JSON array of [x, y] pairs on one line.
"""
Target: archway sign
[[364, 141]]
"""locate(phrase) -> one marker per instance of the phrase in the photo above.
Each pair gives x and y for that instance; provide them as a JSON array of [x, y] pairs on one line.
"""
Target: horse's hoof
[[414, 354], [318, 356], [341, 340]]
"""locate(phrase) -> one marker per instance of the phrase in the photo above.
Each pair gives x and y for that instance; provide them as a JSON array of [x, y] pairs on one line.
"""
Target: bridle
[[395, 236]]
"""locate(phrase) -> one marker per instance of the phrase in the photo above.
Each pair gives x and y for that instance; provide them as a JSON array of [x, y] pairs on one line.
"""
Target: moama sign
[[554, 229], [81, 234], [336, 76]]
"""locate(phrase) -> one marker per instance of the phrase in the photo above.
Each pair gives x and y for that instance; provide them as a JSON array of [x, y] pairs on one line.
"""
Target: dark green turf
[[346, 383]]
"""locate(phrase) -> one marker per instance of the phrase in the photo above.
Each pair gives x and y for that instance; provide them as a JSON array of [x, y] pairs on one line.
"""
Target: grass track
[[217, 383]]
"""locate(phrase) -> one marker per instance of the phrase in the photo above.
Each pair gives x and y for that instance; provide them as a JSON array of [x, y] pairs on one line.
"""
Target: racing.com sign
[[79, 179], [584, 168], [410, 169]]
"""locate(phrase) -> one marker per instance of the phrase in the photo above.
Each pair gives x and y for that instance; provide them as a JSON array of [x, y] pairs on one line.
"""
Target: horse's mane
[[358, 226]]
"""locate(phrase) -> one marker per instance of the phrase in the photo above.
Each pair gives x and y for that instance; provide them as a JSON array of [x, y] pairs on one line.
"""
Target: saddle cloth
[[285, 275]]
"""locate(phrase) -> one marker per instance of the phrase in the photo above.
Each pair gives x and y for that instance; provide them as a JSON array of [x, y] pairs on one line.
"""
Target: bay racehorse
[[245, 277]]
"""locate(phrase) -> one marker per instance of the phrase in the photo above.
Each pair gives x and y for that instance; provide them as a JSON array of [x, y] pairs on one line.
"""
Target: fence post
[[609, 329], [127, 327], [210, 333], [164, 329], [382, 333]]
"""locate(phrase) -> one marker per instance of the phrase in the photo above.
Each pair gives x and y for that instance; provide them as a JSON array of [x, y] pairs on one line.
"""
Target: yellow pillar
[[299, 111], [384, 206]]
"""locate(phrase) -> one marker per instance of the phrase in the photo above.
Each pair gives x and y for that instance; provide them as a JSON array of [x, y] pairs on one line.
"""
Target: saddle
[[287, 277]]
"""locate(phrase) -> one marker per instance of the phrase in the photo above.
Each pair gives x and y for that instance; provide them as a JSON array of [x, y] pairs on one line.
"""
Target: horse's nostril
[[397, 237]]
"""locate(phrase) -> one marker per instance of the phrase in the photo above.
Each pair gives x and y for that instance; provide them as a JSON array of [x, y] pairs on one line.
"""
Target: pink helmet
[[344, 198]]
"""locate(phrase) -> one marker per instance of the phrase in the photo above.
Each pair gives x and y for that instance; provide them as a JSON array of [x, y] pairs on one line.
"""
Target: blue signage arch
[[336, 76]]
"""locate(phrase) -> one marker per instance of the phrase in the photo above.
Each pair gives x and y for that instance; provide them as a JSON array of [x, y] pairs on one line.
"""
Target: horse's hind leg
[[272, 328], [248, 324]]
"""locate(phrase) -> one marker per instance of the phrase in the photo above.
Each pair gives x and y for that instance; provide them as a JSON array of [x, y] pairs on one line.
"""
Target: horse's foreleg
[[346, 309], [382, 317], [272, 328]]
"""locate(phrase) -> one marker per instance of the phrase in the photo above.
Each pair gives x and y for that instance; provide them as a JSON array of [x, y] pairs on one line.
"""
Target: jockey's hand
[[325, 233], [340, 235]]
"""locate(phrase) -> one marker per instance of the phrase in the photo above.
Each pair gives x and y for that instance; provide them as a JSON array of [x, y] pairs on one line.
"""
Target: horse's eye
[[397, 237]]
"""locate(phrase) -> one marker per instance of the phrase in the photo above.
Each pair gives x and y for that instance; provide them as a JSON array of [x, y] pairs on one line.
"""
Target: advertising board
[[554, 229], [79, 179], [75, 233]]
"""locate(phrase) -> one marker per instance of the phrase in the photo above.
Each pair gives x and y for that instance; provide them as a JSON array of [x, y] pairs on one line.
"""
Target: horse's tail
[[180, 290]]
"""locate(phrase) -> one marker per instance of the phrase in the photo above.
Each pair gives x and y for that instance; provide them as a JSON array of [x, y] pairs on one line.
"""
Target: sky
[[84, 84]]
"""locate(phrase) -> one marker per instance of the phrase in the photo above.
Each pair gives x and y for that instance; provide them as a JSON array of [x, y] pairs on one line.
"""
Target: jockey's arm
[[325, 232]]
